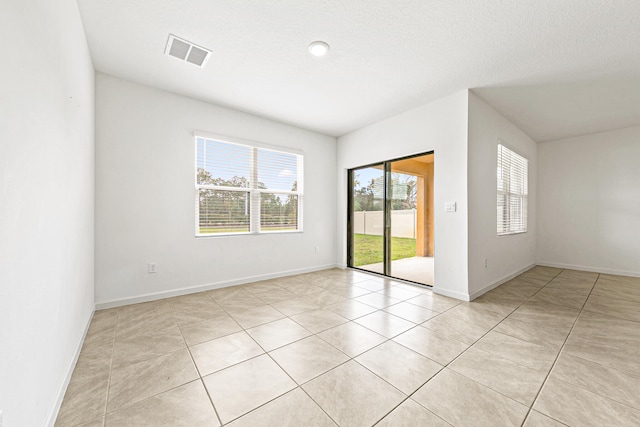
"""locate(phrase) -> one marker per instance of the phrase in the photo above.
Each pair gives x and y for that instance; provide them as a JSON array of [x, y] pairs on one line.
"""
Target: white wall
[[145, 207], [46, 204], [589, 202], [440, 126], [505, 255]]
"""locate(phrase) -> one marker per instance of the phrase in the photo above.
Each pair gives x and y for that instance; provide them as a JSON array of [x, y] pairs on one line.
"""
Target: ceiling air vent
[[187, 51]]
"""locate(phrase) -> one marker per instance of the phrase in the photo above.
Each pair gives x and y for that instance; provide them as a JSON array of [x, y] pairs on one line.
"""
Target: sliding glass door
[[390, 227]]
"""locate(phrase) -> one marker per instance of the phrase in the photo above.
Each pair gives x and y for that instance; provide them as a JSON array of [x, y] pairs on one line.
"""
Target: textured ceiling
[[555, 68]]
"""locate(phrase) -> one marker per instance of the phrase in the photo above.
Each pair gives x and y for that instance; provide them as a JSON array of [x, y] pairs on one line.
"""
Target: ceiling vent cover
[[187, 51]]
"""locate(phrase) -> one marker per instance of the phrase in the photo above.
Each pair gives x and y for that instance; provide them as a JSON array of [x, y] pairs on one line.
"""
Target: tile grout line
[[113, 350], [463, 352], [215, 411], [555, 361]]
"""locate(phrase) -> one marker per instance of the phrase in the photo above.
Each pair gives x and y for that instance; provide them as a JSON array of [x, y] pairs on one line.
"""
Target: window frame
[[254, 193], [509, 230]]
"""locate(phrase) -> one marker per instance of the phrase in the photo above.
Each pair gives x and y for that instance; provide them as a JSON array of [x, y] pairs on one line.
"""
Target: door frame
[[386, 247]]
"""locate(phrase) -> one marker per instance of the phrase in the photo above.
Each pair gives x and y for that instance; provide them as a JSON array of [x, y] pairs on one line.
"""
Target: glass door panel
[[367, 218], [410, 192]]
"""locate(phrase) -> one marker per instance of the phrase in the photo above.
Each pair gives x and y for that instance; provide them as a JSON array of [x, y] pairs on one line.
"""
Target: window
[[513, 170], [242, 188]]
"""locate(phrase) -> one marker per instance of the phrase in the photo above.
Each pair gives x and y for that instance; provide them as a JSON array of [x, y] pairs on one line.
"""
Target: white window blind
[[246, 189], [513, 171]]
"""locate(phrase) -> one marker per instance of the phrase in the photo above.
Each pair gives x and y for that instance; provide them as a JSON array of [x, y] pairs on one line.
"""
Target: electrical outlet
[[317, 249], [153, 267]]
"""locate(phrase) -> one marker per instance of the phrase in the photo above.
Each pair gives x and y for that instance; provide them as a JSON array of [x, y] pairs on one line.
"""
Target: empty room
[[332, 213]]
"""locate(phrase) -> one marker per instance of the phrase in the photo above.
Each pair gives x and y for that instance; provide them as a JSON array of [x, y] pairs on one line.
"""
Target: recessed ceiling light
[[318, 48]]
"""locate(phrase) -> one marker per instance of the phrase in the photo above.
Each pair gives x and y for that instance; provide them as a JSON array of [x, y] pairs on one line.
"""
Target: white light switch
[[449, 206]]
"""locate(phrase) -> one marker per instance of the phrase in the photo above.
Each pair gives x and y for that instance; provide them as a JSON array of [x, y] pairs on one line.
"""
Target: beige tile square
[[95, 357], [531, 332], [461, 401], [399, 293], [223, 352], [606, 340], [434, 302], [451, 325], [221, 325], [349, 291], [371, 285], [324, 298], [148, 340], [187, 405], [241, 301], [308, 358], [560, 296], [578, 275], [296, 306], [137, 314], [614, 287], [385, 324], [399, 366], [241, 388], [546, 314], [230, 292], [351, 309], [497, 303], [256, 316], [275, 296], [192, 302], [410, 414], [292, 409], [431, 344], [543, 272], [536, 419], [103, 321], [525, 353], [351, 338], [319, 320], [353, 396], [576, 286], [377, 300], [504, 376], [276, 334], [138, 381], [617, 385], [84, 400], [411, 312], [300, 289], [199, 314], [615, 307], [573, 405], [476, 314]]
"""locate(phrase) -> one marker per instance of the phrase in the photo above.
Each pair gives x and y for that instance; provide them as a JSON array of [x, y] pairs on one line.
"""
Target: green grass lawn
[[368, 249]]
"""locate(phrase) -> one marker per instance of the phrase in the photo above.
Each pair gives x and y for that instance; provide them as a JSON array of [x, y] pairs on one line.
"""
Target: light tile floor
[[339, 347]]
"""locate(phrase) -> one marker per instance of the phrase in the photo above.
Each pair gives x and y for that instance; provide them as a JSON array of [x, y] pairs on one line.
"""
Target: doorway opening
[[390, 219]]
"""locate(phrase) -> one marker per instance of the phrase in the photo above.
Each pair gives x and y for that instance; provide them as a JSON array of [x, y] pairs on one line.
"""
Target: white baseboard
[[590, 269], [206, 287], [452, 294], [53, 413], [494, 285]]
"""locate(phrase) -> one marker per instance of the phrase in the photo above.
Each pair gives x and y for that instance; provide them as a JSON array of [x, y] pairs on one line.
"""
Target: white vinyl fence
[[403, 223]]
